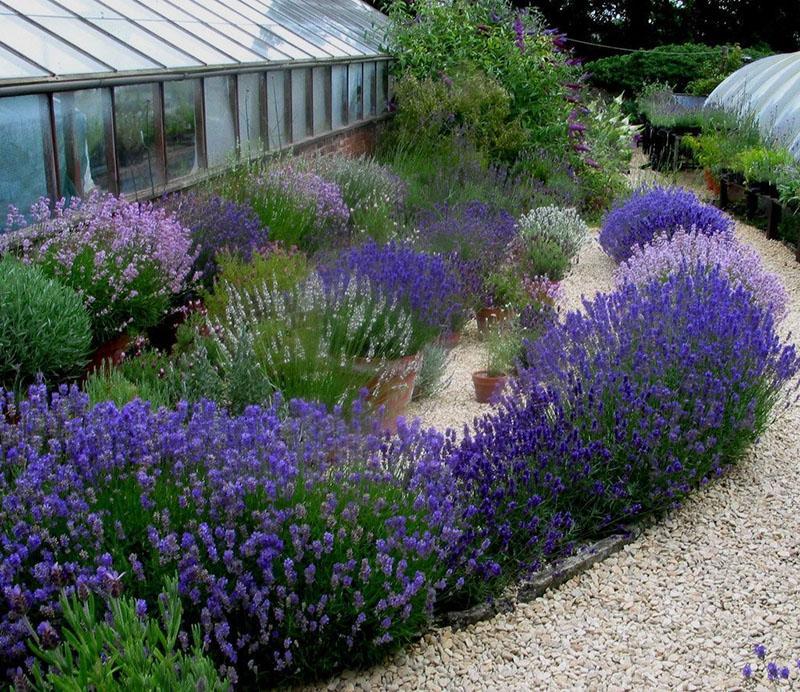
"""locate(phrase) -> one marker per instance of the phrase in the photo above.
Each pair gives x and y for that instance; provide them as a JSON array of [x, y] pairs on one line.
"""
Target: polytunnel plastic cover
[[767, 90]]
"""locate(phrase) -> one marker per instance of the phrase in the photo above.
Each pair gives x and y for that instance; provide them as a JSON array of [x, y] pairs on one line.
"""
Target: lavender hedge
[[657, 211], [621, 411], [301, 542]]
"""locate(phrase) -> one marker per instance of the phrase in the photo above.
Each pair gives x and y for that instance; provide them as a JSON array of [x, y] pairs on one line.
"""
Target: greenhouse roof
[[56, 40], [769, 91]]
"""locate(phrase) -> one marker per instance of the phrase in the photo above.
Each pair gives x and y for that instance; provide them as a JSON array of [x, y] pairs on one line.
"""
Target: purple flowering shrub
[[670, 381], [692, 251], [425, 284], [127, 260], [301, 542], [475, 239], [658, 211], [621, 411], [217, 224], [299, 207]]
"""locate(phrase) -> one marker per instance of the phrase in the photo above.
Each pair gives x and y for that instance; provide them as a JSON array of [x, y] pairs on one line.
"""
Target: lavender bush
[[475, 238], [655, 211], [217, 224], [621, 411], [424, 284], [693, 251], [301, 543], [563, 227], [299, 207], [127, 260]]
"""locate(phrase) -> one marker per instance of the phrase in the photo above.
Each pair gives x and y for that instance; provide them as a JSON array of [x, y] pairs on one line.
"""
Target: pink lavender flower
[[692, 250]]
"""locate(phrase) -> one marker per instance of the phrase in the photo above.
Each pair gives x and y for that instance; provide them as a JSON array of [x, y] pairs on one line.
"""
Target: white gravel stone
[[681, 607]]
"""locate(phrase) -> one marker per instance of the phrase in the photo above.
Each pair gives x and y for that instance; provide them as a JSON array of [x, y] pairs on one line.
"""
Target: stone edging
[[536, 585]]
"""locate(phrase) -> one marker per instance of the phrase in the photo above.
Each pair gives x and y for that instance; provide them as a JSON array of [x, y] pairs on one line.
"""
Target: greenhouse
[[766, 90], [139, 98]]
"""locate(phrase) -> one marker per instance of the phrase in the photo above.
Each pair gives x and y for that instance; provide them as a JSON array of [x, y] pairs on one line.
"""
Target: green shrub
[[762, 164], [150, 376], [273, 266], [44, 326], [545, 257], [506, 289], [503, 348], [132, 651], [432, 376]]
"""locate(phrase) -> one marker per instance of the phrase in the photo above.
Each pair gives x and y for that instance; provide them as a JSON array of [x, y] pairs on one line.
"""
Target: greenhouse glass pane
[[369, 89], [250, 112], [220, 125], [322, 99], [12, 66], [338, 96], [279, 135], [180, 127], [83, 122], [45, 50], [23, 124], [129, 32], [80, 33], [381, 87], [300, 104], [140, 166], [355, 91], [167, 31]]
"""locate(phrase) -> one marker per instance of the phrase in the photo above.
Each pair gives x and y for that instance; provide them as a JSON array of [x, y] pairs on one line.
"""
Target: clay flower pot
[[486, 386], [391, 386], [712, 183], [112, 351], [449, 340], [488, 317]]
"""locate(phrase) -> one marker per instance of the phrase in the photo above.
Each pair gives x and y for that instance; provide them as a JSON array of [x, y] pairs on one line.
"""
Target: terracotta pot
[[392, 385], [488, 317], [712, 183], [486, 386], [113, 351], [449, 340]]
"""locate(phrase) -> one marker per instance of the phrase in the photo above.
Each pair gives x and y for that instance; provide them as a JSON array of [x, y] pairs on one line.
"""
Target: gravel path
[[680, 608]]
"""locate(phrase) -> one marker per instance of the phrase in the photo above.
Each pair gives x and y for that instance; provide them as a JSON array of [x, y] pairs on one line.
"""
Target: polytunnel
[[767, 90], [139, 97]]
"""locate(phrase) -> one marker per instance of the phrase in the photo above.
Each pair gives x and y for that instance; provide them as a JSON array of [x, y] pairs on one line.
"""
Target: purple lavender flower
[[651, 212], [217, 224], [772, 671], [760, 650], [692, 251], [747, 671], [519, 32]]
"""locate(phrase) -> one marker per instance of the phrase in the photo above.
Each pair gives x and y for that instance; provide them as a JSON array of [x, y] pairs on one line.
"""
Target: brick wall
[[354, 141]]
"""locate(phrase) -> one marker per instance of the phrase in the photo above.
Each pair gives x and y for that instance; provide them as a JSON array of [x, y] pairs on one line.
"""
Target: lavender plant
[[305, 342], [692, 251], [299, 207], [423, 284], [650, 212], [561, 226], [622, 410], [127, 260], [44, 326], [301, 543], [373, 193], [217, 225]]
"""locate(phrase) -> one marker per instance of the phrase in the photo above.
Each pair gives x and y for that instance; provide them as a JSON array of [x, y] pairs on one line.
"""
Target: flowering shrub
[[299, 207], [301, 542], [561, 226], [44, 326], [127, 260], [217, 224], [655, 211], [692, 251], [373, 193], [668, 381], [424, 284], [304, 342], [475, 238]]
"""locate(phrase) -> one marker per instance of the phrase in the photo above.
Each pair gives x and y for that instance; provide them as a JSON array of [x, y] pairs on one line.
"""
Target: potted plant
[[505, 294], [502, 352]]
